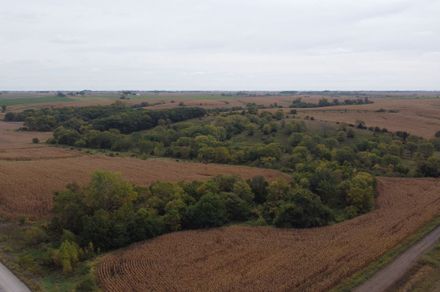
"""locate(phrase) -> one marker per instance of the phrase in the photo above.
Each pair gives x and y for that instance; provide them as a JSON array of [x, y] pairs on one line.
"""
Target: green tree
[[243, 191], [68, 209], [269, 128], [225, 183], [426, 149], [411, 147], [344, 154], [174, 212], [67, 256], [258, 186], [279, 115], [146, 225], [300, 154], [66, 136], [294, 127], [209, 211], [97, 228], [306, 210], [237, 209], [430, 167], [108, 191], [341, 136], [277, 190], [214, 154], [324, 182], [295, 139], [35, 235], [173, 220], [361, 192]]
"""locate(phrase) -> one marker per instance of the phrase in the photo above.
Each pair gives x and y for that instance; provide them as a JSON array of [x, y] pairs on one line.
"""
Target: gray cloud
[[220, 44]]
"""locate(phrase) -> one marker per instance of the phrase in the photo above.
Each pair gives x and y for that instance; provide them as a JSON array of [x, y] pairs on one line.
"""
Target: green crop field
[[33, 100]]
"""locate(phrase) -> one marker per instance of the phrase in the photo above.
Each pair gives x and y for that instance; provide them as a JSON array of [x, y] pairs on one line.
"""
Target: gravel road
[[394, 271], [9, 282]]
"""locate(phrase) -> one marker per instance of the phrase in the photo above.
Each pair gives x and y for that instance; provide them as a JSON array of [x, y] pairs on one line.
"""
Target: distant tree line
[[299, 103], [117, 116]]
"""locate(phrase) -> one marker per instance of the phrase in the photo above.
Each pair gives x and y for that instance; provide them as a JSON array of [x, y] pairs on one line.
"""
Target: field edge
[[372, 268], [12, 265]]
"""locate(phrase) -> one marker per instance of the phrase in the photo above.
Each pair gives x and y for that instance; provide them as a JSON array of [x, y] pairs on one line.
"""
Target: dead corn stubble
[[268, 259], [27, 186], [31, 173], [419, 117]]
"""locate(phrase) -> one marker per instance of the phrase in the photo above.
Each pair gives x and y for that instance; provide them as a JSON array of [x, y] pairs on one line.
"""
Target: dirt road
[[9, 282], [386, 277]]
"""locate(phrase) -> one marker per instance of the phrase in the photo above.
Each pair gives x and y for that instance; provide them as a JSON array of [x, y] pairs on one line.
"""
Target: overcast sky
[[220, 44]]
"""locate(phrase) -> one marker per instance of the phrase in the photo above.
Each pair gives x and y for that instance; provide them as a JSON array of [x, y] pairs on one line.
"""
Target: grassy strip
[[10, 260], [18, 272], [360, 277]]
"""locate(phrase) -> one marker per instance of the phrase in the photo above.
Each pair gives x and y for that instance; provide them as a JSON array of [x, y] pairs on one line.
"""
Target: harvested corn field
[[416, 116], [31, 173], [269, 259], [18, 146], [27, 187], [11, 138]]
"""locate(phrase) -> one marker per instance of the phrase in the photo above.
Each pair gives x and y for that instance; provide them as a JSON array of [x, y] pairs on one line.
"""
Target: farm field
[[416, 116], [16, 145], [164, 100], [264, 258], [10, 138], [34, 100], [17, 101], [160, 100], [27, 187], [416, 113], [419, 117], [283, 146], [31, 173], [224, 258]]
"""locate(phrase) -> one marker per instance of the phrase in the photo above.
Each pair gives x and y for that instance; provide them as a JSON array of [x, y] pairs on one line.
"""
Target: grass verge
[[423, 276], [31, 262]]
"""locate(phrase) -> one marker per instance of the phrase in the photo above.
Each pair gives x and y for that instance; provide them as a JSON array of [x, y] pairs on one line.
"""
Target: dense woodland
[[247, 136], [101, 118], [110, 213], [332, 170]]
